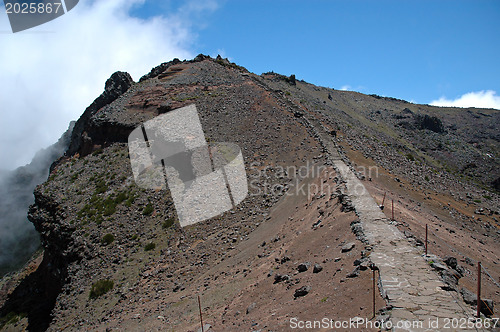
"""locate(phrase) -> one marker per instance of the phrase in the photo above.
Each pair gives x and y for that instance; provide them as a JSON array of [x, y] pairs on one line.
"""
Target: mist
[[53, 72], [18, 237]]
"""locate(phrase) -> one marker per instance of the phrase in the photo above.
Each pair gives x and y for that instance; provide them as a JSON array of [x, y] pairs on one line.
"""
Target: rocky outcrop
[[496, 184], [419, 122], [159, 69], [56, 233], [36, 295], [429, 122], [86, 134]]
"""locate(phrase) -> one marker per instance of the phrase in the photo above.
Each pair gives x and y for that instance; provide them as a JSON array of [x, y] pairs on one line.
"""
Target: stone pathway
[[406, 279]]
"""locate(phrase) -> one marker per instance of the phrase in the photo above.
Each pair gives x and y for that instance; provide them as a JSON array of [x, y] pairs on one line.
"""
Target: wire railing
[[480, 302]]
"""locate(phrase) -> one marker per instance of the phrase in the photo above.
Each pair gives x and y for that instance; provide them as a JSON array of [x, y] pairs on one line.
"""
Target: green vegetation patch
[[121, 197], [150, 246], [130, 200], [101, 186], [168, 223], [99, 207], [101, 287], [107, 239], [148, 209]]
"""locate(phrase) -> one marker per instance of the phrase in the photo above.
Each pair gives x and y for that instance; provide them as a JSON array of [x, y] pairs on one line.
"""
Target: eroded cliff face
[[97, 225], [88, 131]]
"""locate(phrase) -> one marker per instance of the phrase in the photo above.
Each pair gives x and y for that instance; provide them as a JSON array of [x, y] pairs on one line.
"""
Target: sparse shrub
[[120, 197], [84, 211], [98, 219], [477, 201], [487, 197], [107, 239], [134, 237], [148, 209], [109, 207], [426, 178], [168, 223], [101, 287], [101, 187], [410, 157], [149, 246], [130, 200]]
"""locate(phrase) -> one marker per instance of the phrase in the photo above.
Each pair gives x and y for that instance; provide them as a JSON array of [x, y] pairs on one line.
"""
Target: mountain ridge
[[419, 148]]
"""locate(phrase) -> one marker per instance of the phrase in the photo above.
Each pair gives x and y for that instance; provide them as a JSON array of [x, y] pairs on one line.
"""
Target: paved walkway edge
[[407, 282]]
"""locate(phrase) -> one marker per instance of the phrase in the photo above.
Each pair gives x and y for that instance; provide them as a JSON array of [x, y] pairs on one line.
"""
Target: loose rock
[[303, 267], [302, 291], [317, 268], [348, 247]]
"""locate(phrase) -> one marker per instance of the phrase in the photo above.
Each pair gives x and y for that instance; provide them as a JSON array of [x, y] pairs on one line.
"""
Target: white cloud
[[52, 72], [479, 99], [345, 88]]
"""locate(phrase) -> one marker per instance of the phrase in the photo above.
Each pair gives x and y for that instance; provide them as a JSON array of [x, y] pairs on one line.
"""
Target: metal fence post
[[426, 238], [478, 289], [201, 316]]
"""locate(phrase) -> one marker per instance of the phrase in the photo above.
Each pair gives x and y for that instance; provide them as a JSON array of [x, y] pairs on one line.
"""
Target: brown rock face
[[87, 131]]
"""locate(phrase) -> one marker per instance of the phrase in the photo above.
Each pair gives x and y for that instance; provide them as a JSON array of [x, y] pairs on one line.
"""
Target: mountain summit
[[297, 247]]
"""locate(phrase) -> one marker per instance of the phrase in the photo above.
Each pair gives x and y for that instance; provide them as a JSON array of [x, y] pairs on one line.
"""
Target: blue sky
[[414, 50], [439, 52]]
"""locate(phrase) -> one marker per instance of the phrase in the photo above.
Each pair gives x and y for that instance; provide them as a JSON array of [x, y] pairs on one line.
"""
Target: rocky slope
[[115, 257]]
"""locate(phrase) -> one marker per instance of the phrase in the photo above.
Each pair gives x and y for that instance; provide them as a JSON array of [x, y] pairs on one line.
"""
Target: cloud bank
[[52, 72], [18, 237], [479, 99]]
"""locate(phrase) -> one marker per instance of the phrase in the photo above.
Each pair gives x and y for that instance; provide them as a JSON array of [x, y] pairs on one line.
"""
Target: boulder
[[279, 278], [317, 268], [303, 267], [348, 247], [302, 291]]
